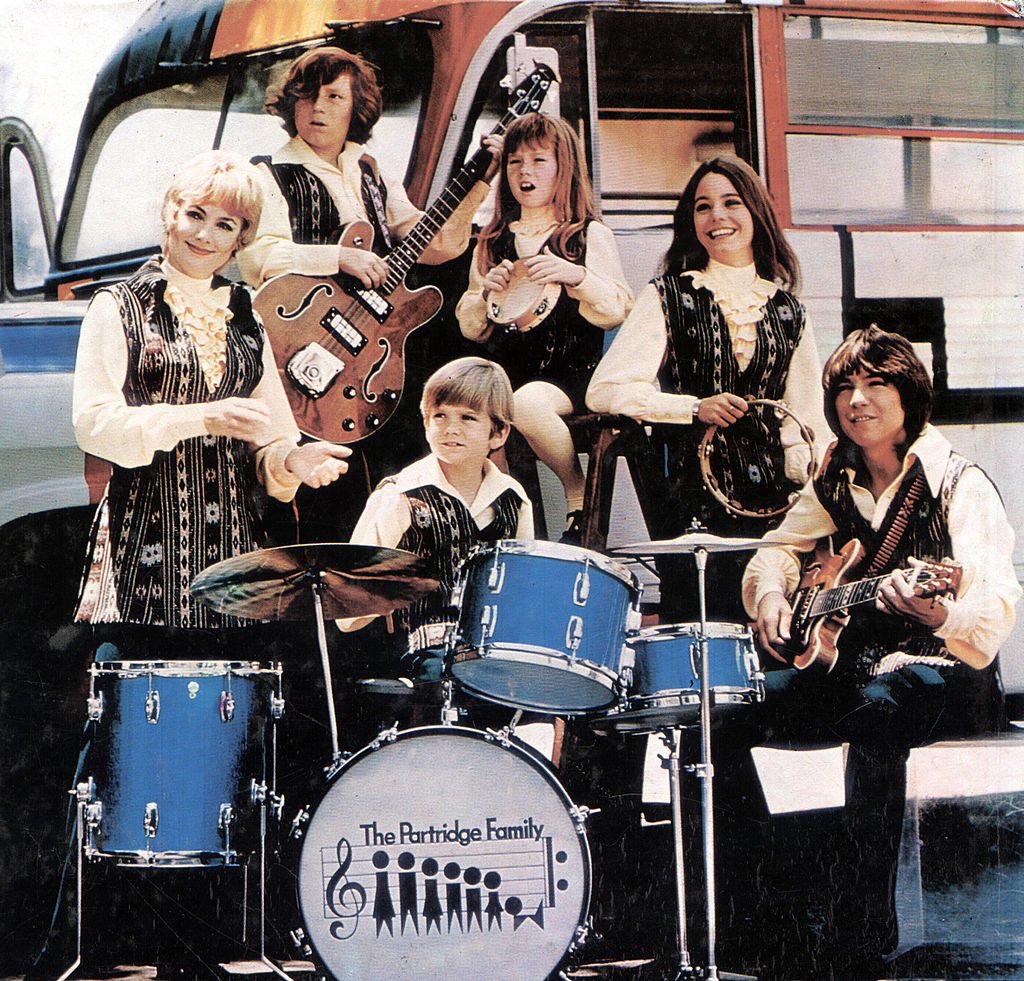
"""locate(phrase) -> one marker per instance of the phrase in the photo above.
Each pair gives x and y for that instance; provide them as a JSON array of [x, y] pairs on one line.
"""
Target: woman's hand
[[370, 269], [494, 142], [319, 463], [774, 616], [722, 410], [897, 596], [498, 277], [239, 418], [546, 267]]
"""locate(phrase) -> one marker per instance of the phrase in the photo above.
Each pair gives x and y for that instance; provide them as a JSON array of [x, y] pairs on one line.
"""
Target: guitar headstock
[[528, 95], [936, 578]]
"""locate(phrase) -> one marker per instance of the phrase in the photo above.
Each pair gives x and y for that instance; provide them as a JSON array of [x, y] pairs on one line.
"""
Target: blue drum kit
[[438, 851]]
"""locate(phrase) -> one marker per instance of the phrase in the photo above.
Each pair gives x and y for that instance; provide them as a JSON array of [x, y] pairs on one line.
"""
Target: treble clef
[[346, 900]]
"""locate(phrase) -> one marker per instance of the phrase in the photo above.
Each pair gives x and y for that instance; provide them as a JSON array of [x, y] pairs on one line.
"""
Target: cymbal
[[277, 583], [693, 542]]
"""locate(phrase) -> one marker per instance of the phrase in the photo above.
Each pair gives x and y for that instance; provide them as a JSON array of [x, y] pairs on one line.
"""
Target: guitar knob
[[348, 425], [349, 392], [390, 395], [372, 422]]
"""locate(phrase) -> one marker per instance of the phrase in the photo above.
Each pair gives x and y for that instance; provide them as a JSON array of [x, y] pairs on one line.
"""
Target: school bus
[[890, 133]]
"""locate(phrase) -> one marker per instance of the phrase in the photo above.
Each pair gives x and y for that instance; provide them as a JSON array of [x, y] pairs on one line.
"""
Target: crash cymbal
[[693, 542], [277, 583]]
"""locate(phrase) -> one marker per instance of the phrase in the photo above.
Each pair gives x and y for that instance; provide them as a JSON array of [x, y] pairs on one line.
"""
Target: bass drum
[[443, 852]]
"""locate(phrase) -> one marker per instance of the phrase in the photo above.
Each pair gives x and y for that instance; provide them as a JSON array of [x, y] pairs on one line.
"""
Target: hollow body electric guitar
[[339, 346], [822, 601]]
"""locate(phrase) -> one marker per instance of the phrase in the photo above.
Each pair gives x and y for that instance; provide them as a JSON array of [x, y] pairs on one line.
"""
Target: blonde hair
[[221, 178], [477, 383]]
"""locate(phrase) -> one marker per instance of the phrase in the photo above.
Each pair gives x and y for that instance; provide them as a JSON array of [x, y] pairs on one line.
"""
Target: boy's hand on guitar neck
[[362, 264], [774, 616], [900, 596]]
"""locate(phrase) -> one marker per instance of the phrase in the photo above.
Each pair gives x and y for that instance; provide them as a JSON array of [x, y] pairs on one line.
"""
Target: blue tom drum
[[543, 626]]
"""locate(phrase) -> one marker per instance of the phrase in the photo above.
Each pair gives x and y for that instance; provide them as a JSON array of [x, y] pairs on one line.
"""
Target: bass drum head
[[443, 854]]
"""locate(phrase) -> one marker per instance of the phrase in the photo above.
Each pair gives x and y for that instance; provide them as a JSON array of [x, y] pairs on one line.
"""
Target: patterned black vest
[[443, 531], [699, 361], [872, 634], [563, 348], [194, 505], [312, 212]]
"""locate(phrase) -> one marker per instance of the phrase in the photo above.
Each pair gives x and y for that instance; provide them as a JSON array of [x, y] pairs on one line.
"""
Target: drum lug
[[95, 707], [152, 706], [151, 819], [384, 737], [581, 814], [276, 705], [225, 817], [573, 633], [227, 706], [581, 587], [332, 768], [299, 941], [298, 828], [496, 577], [488, 623], [582, 935]]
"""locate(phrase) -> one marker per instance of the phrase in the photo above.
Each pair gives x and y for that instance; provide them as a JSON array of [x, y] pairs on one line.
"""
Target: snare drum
[[666, 676], [442, 852], [176, 747], [543, 626]]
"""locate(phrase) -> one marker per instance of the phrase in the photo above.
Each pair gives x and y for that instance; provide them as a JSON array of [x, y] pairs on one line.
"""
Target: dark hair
[[574, 196], [321, 66], [774, 259], [888, 356]]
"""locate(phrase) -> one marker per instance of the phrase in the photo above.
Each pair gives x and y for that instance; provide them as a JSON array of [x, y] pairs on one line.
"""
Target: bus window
[[656, 102], [923, 121], [132, 157], [29, 249]]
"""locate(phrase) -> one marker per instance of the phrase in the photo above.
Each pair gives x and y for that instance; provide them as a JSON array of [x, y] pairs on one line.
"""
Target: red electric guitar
[[340, 347], [823, 598]]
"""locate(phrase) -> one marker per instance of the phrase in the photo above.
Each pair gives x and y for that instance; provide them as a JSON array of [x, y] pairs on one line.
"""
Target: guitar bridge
[[313, 369]]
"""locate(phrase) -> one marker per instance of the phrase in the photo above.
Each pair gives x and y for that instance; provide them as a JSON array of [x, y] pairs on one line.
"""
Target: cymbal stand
[[84, 810], [671, 738], [317, 586], [705, 773]]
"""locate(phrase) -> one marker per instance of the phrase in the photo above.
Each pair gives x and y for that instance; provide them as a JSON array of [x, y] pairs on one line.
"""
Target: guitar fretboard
[[406, 255], [841, 597]]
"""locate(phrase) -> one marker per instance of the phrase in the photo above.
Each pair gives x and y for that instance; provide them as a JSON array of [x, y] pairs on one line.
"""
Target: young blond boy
[[451, 501]]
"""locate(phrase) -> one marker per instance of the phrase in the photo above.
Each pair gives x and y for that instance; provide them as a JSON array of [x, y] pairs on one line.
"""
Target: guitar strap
[[897, 521], [373, 200]]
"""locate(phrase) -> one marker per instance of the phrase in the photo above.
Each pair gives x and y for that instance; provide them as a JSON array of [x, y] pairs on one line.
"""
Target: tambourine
[[523, 304], [706, 451]]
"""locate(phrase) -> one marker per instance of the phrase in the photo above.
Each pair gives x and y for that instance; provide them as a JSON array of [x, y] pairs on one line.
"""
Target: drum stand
[[705, 773]]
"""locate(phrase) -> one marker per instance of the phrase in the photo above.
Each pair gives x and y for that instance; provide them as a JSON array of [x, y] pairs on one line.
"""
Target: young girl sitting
[[544, 231]]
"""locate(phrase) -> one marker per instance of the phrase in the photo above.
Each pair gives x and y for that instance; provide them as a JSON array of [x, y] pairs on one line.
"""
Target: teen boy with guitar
[[915, 664]]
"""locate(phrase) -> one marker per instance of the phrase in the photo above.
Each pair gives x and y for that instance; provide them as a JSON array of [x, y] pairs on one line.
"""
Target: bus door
[[652, 92]]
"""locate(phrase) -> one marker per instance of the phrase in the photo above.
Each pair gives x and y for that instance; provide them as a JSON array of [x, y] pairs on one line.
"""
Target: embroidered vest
[[313, 215], [699, 361], [193, 505], [444, 532]]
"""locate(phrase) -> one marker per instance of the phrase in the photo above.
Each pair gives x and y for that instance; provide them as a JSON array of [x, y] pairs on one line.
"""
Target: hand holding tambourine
[[520, 294]]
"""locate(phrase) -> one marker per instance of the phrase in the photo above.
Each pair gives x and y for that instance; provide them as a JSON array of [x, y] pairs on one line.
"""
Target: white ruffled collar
[[203, 312]]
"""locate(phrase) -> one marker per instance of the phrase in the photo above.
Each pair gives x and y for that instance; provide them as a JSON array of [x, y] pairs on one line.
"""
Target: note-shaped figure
[[383, 904]]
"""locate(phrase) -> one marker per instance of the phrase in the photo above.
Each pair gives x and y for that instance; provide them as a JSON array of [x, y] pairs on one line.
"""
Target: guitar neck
[[407, 254], [840, 597]]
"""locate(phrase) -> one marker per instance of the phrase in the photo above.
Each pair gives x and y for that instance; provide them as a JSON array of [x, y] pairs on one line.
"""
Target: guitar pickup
[[377, 305], [346, 332], [313, 369]]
